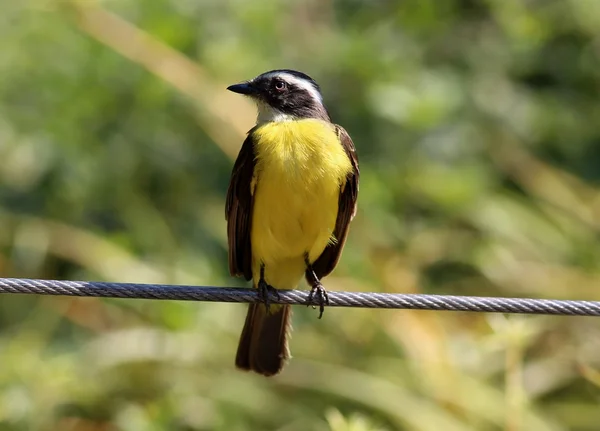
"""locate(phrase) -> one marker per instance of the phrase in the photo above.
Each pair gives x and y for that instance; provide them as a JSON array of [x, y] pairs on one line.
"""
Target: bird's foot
[[318, 292], [264, 290]]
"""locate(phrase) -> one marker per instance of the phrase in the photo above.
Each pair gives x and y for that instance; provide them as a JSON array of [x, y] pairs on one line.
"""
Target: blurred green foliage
[[478, 130]]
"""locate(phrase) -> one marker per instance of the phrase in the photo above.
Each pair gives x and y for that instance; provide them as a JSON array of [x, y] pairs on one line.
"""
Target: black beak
[[243, 88]]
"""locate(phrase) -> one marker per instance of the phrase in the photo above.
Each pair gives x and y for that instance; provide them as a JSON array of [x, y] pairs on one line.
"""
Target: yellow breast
[[299, 169]]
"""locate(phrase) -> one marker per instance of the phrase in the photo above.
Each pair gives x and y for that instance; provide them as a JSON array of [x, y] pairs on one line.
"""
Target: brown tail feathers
[[263, 346]]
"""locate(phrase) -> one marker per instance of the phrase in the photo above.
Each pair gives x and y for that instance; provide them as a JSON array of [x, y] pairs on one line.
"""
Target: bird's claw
[[264, 290], [318, 291]]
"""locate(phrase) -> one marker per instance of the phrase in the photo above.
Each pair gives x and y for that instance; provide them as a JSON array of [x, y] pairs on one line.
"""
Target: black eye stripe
[[299, 98]]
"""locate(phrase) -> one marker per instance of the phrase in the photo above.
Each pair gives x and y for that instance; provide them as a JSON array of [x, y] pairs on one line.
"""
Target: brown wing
[[346, 210], [238, 211]]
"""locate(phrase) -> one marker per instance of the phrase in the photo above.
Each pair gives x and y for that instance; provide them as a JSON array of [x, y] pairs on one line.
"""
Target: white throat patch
[[268, 114]]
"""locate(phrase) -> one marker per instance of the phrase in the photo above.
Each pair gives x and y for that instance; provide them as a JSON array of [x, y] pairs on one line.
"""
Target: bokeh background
[[478, 129]]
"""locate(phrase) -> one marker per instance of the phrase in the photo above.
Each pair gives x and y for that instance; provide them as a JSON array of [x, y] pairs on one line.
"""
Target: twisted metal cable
[[336, 298]]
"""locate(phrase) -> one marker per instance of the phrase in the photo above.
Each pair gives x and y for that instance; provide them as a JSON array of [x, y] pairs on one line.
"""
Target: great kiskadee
[[290, 201]]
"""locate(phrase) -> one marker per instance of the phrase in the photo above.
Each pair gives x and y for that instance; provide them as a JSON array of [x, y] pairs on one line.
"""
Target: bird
[[292, 195]]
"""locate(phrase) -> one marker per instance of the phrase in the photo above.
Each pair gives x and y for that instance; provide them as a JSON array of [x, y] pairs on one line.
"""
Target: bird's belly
[[292, 218]]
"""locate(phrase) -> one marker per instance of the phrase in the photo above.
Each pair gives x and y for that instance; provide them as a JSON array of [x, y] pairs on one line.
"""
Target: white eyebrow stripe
[[302, 83]]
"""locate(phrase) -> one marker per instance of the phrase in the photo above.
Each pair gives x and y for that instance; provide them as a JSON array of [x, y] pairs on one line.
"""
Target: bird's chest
[[299, 162], [299, 170]]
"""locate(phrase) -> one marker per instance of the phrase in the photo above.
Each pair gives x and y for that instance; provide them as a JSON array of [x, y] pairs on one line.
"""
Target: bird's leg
[[316, 288], [264, 289]]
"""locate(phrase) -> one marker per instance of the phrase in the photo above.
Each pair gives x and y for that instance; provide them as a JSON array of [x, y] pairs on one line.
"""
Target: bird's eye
[[280, 85]]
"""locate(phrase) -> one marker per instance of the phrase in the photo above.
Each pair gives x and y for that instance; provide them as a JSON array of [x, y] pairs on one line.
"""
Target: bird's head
[[284, 95]]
